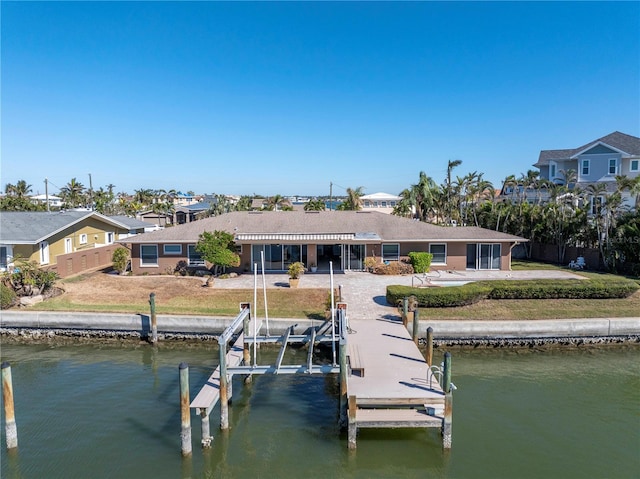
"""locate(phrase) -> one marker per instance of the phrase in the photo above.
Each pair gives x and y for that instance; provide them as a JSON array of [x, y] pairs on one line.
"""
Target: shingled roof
[[628, 144], [321, 225], [32, 227]]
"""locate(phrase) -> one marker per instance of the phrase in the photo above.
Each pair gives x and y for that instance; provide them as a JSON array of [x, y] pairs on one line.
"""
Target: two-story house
[[597, 162]]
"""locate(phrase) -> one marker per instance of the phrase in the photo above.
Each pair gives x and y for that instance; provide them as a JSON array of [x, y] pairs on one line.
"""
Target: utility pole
[[90, 192], [46, 193], [330, 196]]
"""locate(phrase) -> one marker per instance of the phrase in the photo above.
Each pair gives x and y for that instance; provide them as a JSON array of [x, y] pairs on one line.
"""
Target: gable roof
[[321, 226], [131, 223], [628, 145], [32, 227]]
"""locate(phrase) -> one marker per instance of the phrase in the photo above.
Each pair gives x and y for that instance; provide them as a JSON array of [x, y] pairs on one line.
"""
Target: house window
[[195, 258], [148, 255], [3, 258], [83, 239], [172, 249], [110, 237], [390, 252], [613, 166], [552, 171], [635, 165], [439, 252], [585, 167]]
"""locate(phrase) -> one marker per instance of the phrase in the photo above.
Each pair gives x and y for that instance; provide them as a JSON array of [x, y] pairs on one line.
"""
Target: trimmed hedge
[[453, 296], [7, 296]]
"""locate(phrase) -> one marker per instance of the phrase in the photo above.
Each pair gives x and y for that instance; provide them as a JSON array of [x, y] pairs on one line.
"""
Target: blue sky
[[285, 98]]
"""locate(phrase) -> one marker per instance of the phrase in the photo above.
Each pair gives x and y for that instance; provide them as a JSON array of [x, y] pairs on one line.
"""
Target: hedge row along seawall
[[453, 296]]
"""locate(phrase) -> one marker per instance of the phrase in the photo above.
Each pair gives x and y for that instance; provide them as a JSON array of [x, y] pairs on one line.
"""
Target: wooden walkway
[[391, 386]]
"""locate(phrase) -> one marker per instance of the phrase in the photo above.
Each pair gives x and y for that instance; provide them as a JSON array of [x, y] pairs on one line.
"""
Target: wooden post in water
[[448, 402], [342, 311], [416, 320], [11, 429], [185, 411], [154, 324], [224, 384], [405, 311], [353, 425], [246, 348], [430, 346]]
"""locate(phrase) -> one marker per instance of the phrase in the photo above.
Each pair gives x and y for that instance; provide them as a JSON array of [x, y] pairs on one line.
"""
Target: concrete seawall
[[96, 324]]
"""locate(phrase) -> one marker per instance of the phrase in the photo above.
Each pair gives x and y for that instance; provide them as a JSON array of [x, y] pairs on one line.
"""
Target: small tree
[[421, 261], [120, 259], [219, 249]]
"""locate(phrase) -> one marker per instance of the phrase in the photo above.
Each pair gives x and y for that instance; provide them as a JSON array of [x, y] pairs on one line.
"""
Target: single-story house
[[344, 238], [44, 236]]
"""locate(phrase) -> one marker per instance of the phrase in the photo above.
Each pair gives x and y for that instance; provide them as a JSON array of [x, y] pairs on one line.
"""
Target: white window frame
[[553, 170], [109, 236], [44, 252], [631, 168], [585, 164], [390, 257], [615, 166], [199, 262], [83, 238], [68, 245], [445, 253], [142, 260], [166, 252]]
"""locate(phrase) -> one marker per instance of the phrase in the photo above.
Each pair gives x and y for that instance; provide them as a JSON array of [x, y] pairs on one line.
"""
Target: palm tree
[[353, 201], [73, 193], [315, 205], [448, 188], [275, 202]]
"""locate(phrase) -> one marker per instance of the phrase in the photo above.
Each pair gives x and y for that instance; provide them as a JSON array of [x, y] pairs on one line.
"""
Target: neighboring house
[[135, 226], [54, 201], [382, 202], [184, 199], [344, 238], [157, 219], [45, 236], [597, 162]]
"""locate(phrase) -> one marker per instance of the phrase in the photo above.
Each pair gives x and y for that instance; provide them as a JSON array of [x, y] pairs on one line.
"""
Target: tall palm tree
[[449, 188], [73, 193]]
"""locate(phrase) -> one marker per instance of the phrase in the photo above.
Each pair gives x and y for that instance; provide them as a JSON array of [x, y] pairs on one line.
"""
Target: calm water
[[112, 412]]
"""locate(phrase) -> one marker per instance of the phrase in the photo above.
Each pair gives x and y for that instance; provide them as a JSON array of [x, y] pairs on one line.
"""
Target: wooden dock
[[392, 385], [385, 382]]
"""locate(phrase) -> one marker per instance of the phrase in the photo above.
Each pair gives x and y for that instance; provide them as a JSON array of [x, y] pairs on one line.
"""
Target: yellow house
[[44, 236]]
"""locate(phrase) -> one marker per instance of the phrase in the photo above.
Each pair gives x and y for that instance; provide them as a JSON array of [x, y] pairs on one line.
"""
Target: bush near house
[[7, 296], [446, 297], [421, 261], [393, 267]]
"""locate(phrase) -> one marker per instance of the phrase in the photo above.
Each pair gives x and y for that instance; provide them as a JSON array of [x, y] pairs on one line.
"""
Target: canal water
[[112, 411]]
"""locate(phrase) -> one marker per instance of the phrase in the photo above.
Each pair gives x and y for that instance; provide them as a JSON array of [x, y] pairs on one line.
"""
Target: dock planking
[[399, 389]]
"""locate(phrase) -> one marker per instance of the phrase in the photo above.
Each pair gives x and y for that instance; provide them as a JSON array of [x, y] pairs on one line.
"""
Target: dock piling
[[405, 311], [448, 402], [430, 346], [246, 353], [224, 384], [185, 412], [353, 426], [11, 429], [416, 320], [154, 324]]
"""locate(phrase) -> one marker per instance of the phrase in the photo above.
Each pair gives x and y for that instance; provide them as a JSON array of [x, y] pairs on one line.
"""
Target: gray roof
[[32, 227], [320, 226], [131, 223], [627, 143]]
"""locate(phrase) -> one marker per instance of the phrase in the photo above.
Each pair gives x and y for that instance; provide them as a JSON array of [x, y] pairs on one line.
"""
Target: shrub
[[120, 259], [421, 261], [28, 279], [393, 268], [446, 297], [7, 296]]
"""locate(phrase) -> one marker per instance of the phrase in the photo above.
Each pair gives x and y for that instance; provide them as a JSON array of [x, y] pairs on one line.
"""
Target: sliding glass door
[[484, 256]]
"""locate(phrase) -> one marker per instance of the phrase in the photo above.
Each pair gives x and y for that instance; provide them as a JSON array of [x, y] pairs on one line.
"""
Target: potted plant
[[313, 267], [295, 271]]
